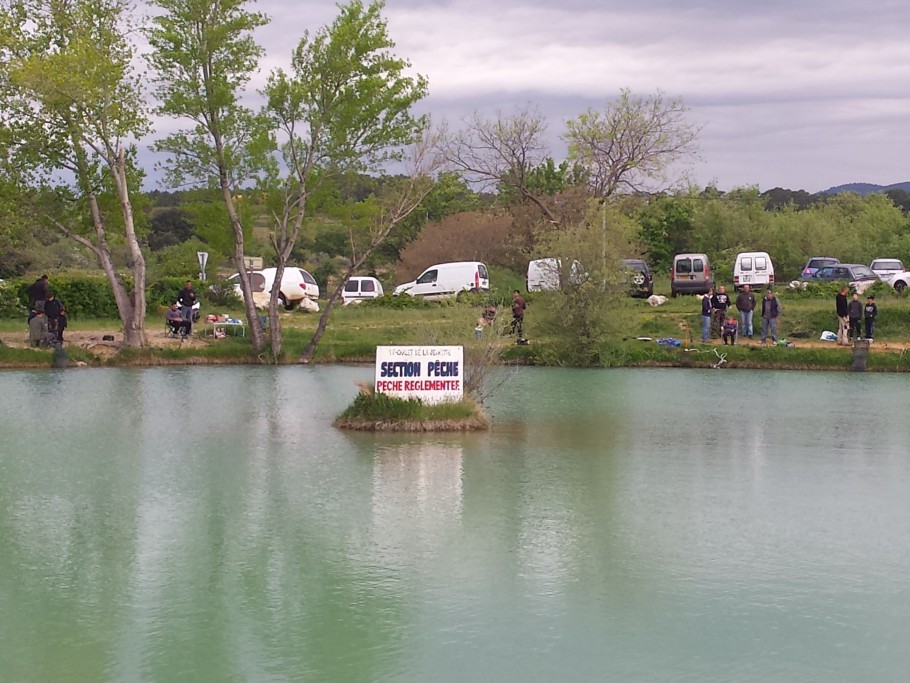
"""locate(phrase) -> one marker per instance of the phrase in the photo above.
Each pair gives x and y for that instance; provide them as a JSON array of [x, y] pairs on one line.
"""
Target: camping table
[[224, 325]]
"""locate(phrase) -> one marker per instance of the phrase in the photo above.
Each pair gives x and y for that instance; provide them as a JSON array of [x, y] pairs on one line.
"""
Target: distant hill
[[863, 189]]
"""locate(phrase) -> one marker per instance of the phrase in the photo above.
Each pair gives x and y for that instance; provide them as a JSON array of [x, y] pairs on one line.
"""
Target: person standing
[[843, 319], [745, 304], [518, 314], [187, 299], [855, 316], [719, 303], [53, 307], [61, 324], [770, 310], [37, 329], [870, 312], [706, 315], [38, 292]]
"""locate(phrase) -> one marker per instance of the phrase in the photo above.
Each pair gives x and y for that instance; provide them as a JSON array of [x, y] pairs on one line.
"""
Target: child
[[855, 315], [61, 325], [729, 331], [869, 313]]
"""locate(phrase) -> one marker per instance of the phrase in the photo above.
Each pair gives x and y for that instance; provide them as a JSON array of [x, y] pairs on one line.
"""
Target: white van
[[359, 288], [446, 280], [753, 268], [543, 275], [296, 285]]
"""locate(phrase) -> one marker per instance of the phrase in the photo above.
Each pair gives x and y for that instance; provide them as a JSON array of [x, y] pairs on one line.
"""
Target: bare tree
[[502, 153], [398, 203], [632, 144]]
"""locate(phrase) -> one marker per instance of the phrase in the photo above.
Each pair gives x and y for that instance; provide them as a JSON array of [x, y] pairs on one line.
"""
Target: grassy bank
[[355, 331]]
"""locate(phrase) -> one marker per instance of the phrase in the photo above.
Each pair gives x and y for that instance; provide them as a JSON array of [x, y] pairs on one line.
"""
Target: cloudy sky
[[802, 94]]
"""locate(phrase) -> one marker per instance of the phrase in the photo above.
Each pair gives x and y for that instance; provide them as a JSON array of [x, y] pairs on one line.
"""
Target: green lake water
[[209, 524]]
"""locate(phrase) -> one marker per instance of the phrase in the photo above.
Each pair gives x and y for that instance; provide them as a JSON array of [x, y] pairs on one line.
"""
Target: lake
[[209, 524]]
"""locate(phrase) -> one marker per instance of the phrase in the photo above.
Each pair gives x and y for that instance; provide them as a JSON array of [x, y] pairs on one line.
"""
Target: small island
[[376, 412]]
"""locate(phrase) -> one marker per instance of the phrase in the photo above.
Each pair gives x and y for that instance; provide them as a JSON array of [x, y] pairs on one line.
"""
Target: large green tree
[[204, 54], [72, 110], [344, 107]]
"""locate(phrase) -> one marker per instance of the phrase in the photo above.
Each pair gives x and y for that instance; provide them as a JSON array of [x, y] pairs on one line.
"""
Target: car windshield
[[887, 264], [821, 262], [863, 272]]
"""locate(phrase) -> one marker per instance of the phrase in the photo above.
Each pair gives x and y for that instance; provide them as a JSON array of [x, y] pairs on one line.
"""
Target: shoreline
[[88, 349]]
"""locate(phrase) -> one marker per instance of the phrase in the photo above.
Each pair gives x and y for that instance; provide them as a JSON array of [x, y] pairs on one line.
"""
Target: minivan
[[753, 268], [690, 274], [544, 275], [358, 288], [446, 280]]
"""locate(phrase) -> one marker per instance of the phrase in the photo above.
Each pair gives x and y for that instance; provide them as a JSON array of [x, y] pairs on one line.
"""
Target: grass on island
[[377, 412]]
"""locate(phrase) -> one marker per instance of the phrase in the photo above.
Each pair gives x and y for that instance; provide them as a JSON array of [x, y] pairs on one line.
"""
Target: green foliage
[[163, 292], [400, 302], [203, 53], [180, 260], [379, 407], [11, 303], [222, 295], [168, 226]]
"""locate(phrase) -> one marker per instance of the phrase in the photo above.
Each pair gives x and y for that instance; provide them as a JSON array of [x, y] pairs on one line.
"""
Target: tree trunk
[[252, 315], [134, 319]]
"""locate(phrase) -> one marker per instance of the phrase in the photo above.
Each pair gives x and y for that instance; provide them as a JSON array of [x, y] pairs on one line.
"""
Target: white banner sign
[[430, 373]]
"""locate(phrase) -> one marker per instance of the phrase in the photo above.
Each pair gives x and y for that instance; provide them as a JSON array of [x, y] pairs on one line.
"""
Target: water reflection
[[209, 524]]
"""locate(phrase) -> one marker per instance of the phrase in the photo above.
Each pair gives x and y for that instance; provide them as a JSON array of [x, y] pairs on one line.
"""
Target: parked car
[[296, 285], [690, 274], [899, 281], [640, 279], [359, 288], [886, 267], [753, 268], [446, 280], [814, 263], [859, 276]]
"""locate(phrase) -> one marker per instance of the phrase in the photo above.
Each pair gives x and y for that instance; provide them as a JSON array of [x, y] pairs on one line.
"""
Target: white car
[[296, 285], [886, 267], [899, 281], [359, 288]]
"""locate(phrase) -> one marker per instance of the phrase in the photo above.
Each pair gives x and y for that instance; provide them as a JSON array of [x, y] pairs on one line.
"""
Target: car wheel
[[284, 301], [899, 286]]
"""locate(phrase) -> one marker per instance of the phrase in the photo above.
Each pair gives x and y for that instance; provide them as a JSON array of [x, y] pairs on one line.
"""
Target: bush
[[222, 295]]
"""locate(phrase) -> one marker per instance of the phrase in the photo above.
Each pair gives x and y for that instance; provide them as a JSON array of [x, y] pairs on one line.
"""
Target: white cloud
[[801, 94]]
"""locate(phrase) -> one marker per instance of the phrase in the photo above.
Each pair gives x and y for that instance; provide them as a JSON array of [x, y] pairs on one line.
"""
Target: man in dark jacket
[[719, 303], [518, 313], [53, 307], [37, 292], [706, 315], [745, 304], [843, 317], [187, 299], [770, 310]]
